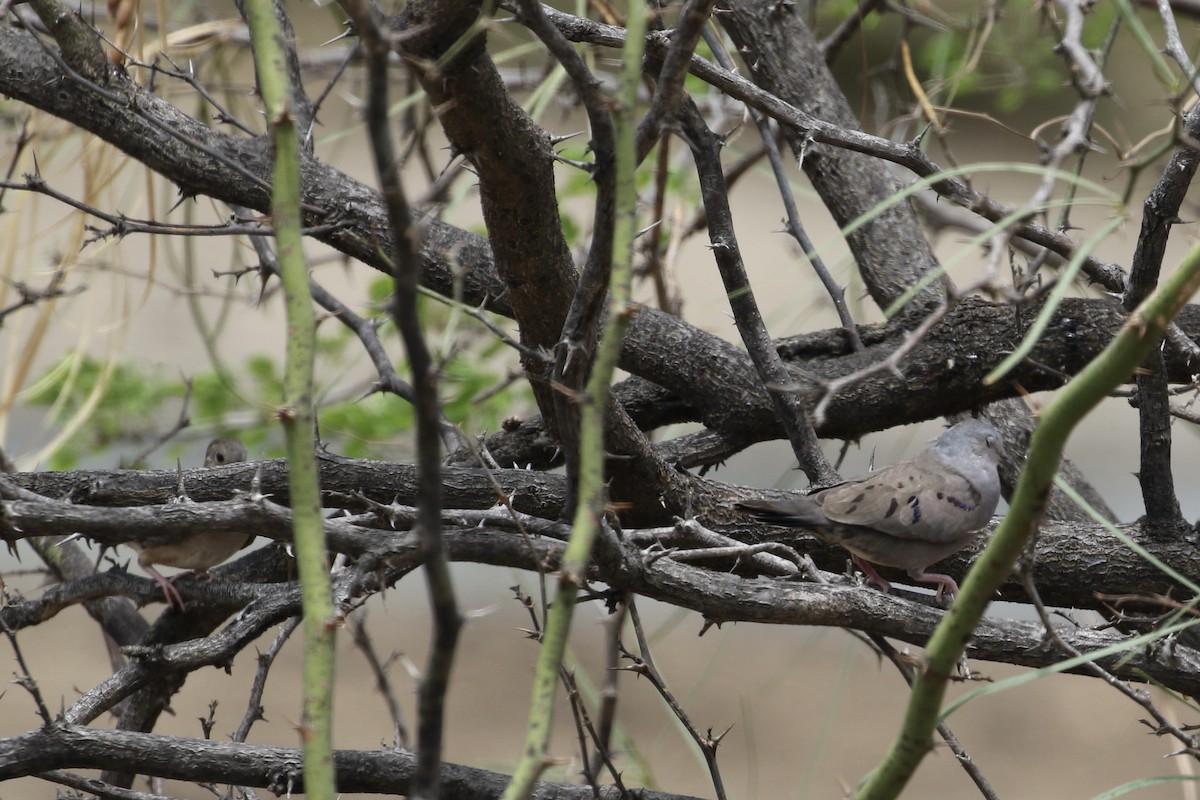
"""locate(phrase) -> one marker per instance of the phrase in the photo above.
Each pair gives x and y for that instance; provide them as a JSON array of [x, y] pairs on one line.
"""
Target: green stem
[[590, 508], [1143, 330], [296, 414]]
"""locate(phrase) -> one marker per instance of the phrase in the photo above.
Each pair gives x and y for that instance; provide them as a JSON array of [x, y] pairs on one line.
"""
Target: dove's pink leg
[[174, 598], [873, 577], [943, 582]]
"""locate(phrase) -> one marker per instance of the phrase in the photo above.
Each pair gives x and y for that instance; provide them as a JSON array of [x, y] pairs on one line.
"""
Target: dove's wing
[[919, 499]]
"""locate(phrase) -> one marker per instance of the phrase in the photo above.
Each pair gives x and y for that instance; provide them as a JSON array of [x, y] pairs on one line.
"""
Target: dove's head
[[224, 451], [971, 439]]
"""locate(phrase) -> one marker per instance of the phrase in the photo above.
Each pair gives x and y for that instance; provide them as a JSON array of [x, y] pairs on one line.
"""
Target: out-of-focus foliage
[[135, 403]]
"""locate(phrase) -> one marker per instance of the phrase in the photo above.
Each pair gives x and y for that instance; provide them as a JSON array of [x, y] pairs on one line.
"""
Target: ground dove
[[908, 515], [197, 551]]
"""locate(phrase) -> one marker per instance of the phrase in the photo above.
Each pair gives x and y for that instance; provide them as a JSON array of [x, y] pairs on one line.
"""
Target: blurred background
[[89, 380]]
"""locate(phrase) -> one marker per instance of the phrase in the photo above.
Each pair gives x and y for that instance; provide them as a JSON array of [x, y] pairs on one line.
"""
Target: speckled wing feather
[[909, 515], [920, 499]]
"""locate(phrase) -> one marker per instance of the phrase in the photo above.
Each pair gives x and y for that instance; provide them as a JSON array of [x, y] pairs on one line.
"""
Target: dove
[[908, 515], [196, 551]]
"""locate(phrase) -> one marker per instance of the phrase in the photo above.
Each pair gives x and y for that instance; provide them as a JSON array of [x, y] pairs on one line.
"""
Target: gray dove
[[908, 515], [196, 551]]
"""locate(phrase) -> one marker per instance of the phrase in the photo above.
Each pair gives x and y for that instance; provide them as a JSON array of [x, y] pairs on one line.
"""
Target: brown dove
[[196, 551], [908, 515]]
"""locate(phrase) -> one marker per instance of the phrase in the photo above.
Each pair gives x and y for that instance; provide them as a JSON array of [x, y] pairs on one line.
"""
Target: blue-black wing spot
[[915, 503]]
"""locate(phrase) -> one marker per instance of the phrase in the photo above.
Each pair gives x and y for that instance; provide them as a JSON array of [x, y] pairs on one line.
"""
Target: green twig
[[1066, 279], [590, 507], [297, 414], [1112, 367]]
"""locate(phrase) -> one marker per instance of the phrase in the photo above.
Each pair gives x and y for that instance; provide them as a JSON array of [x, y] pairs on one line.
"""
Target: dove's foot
[[172, 595], [873, 577], [944, 582]]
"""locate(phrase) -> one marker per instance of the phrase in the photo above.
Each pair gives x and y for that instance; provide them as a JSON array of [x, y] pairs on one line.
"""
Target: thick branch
[[517, 194], [277, 769], [1066, 566], [716, 384]]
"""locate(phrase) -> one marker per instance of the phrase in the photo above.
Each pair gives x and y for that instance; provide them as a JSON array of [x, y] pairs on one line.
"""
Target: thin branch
[[25, 678], [121, 226], [95, 787], [447, 621], [830, 389], [1162, 726], [673, 68], [367, 332], [1174, 44], [793, 415], [1089, 79], [254, 708], [1160, 214], [28, 296], [609, 689], [383, 683], [832, 45], [795, 227], [643, 664]]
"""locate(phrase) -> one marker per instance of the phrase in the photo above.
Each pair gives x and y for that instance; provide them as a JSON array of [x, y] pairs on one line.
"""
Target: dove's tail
[[797, 512]]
